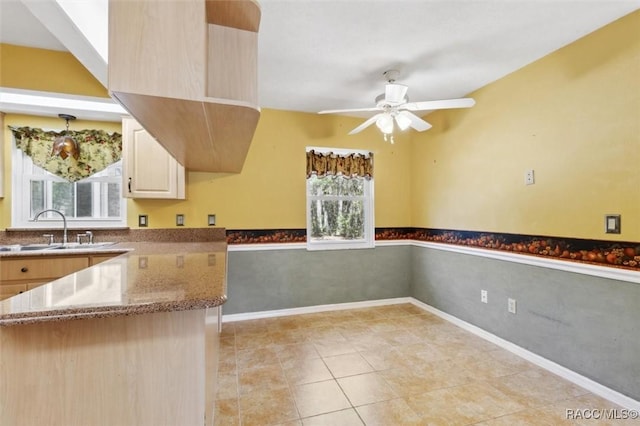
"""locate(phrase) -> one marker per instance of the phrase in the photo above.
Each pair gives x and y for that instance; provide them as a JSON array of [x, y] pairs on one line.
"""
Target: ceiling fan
[[394, 106]]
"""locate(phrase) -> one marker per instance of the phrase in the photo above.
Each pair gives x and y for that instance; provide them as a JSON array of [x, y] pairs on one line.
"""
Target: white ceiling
[[330, 54]]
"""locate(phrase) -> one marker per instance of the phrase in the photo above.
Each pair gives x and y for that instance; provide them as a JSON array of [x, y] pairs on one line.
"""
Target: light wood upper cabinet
[[187, 71], [148, 170]]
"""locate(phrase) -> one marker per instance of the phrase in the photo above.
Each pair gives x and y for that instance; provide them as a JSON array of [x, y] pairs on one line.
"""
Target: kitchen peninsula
[[131, 340]]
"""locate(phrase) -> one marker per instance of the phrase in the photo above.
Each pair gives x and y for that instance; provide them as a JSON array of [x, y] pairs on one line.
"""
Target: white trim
[[565, 373], [313, 309], [19, 101], [383, 243], [562, 265]]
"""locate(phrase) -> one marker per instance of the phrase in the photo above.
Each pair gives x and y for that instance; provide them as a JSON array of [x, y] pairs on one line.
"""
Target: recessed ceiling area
[[330, 54]]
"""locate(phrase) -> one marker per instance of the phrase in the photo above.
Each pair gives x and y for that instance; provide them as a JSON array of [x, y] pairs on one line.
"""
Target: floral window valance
[[98, 150], [350, 165]]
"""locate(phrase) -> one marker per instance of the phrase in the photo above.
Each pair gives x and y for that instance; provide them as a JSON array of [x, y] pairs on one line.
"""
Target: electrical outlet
[[511, 305], [529, 177], [483, 296], [179, 220], [211, 219], [143, 221]]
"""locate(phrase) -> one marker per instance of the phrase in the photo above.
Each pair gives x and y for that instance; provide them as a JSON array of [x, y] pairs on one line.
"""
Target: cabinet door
[[40, 267], [149, 171]]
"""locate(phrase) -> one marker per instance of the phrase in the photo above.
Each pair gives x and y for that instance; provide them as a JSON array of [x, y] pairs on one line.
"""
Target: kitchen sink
[[48, 247], [77, 246]]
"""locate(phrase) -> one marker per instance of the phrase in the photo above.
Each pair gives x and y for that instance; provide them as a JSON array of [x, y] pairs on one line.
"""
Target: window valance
[[98, 150], [349, 165]]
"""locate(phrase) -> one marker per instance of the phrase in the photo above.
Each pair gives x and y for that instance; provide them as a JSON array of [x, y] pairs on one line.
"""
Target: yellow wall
[[47, 71], [573, 117], [270, 191]]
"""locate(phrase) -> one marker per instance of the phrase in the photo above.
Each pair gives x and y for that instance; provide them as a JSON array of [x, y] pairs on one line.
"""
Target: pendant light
[[64, 145]]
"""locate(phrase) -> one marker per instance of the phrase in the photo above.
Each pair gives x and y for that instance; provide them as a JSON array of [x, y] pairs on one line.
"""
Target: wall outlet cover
[[529, 177], [511, 305], [484, 296]]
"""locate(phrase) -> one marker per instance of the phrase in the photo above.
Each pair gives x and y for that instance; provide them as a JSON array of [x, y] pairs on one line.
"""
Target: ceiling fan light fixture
[[402, 121], [393, 106], [385, 124]]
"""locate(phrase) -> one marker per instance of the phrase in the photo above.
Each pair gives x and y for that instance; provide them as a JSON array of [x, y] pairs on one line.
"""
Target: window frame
[[368, 205], [20, 201]]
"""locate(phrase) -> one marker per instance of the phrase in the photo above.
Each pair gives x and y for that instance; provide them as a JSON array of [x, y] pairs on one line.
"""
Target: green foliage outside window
[[337, 207]]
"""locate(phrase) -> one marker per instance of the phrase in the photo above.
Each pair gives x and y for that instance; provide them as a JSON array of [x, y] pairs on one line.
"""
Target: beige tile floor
[[389, 365]]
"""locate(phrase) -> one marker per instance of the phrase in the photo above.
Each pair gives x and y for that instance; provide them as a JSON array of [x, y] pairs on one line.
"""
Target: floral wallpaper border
[[617, 254], [266, 236]]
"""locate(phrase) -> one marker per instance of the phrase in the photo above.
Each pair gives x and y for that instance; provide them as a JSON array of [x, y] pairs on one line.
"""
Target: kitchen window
[[93, 202], [339, 199]]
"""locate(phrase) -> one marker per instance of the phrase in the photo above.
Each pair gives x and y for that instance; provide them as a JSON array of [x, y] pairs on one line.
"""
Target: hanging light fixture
[[402, 121], [385, 124], [64, 145]]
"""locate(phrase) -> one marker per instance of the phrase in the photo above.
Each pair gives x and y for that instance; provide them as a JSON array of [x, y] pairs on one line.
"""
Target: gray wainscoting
[[588, 324], [280, 279]]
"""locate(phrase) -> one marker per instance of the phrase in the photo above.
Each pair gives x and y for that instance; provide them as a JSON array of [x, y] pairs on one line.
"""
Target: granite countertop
[[148, 277]]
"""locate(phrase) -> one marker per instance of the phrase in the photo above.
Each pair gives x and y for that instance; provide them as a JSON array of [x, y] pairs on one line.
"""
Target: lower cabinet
[[19, 274]]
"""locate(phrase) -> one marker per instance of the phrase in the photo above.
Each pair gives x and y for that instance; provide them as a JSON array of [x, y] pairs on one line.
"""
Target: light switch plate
[[143, 221], [612, 224], [211, 219]]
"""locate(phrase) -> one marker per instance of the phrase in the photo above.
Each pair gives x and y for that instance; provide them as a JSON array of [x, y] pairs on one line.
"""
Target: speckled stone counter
[[148, 277], [132, 340]]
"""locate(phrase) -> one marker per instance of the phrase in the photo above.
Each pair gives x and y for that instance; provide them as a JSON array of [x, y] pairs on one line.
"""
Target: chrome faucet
[[64, 222]]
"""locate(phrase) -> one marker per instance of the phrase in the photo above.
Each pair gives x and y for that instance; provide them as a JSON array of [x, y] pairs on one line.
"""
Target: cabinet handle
[[24, 269], [129, 185]]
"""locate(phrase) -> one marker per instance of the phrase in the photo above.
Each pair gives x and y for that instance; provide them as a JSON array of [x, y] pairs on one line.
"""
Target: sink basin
[[27, 247], [76, 246], [47, 247]]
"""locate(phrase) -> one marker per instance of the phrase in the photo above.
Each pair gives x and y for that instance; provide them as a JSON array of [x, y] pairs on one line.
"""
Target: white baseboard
[[565, 373], [313, 309]]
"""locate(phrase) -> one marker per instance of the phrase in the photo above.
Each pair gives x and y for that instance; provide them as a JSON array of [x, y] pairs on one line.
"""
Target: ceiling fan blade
[[395, 93], [339, 111], [442, 104], [417, 123], [366, 124]]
